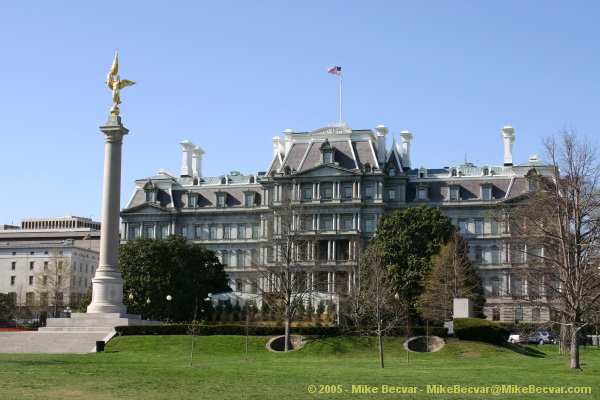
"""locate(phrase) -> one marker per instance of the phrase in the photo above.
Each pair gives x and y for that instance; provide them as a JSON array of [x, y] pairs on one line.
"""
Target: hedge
[[480, 330], [259, 330]]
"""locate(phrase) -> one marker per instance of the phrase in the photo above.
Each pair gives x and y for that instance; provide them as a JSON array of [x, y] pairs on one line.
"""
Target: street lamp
[[169, 298], [208, 298], [148, 308]]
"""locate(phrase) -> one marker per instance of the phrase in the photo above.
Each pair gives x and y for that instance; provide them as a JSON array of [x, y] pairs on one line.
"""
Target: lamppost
[[207, 299], [336, 310], [148, 308], [169, 298]]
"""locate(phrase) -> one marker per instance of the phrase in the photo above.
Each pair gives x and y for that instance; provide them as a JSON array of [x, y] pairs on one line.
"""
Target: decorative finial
[[114, 82]]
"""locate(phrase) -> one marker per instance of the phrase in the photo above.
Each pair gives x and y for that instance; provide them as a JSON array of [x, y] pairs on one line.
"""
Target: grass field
[[158, 367]]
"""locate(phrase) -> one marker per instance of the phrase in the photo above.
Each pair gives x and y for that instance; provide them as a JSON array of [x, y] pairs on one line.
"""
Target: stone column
[[107, 294]]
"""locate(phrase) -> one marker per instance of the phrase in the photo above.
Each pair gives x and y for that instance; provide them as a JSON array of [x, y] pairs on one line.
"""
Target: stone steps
[[49, 342]]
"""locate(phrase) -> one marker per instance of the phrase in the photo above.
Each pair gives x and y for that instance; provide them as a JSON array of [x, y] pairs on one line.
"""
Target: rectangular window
[[135, 232], [212, 232], [240, 259], [495, 286], [421, 194], [327, 223], [13, 280], [368, 225], [486, 193], [13, 265], [241, 231], [150, 232], [347, 223], [454, 193], [347, 192], [307, 193], [495, 226], [255, 231], [392, 194], [225, 258], [308, 223], [462, 226], [220, 200], [192, 201], [31, 281], [60, 265], [368, 192], [226, 231], [198, 232], [249, 199], [479, 227], [327, 192], [184, 231], [327, 158], [164, 231]]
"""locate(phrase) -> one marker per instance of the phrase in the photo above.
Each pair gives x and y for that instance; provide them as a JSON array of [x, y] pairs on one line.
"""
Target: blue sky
[[229, 76]]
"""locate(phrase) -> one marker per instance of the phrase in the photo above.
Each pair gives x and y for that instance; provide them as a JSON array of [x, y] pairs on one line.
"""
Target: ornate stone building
[[344, 180]]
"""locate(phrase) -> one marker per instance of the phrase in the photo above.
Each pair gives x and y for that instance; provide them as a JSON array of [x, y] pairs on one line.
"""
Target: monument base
[[96, 321]]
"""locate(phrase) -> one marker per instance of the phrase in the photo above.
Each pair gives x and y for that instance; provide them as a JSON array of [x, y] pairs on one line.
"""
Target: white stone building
[[30, 251], [345, 180]]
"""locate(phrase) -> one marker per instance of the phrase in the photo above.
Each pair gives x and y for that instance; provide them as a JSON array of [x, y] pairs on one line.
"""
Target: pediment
[[147, 208], [326, 170]]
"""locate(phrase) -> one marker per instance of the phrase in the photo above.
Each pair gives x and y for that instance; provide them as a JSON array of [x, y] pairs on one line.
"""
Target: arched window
[[392, 172]]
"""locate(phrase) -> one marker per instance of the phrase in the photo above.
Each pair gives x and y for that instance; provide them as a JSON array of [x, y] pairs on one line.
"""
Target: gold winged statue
[[114, 82]]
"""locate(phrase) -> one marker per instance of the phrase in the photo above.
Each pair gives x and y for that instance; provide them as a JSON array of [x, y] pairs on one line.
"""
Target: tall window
[[479, 227], [32, 265], [486, 193], [225, 258], [347, 192], [255, 231], [327, 222], [197, 232], [191, 201], [462, 226], [327, 192], [368, 192], [212, 232], [307, 193], [535, 314], [249, 199], [421, 194], [135, 232], [495, 286], [184, 231], [220, 200], [226, 231], [150, 197], [454, 193], [495, 227], [240, 259], [13, 265], [495, 255], [241, 231], [368, 225], [150, 232], [392, 194], [478, 254], [327, 158], [164, 231], [13, 280]]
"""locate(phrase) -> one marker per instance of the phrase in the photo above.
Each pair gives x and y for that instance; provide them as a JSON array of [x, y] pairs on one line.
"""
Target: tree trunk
[[575, 349], [288, 334]]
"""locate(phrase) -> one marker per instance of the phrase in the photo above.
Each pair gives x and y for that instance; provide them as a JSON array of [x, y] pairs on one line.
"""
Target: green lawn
[[158, 367]]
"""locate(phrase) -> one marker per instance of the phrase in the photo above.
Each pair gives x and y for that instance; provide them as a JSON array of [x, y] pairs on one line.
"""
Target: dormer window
[[486, 171], [150, 190], [287, 170], [392, 172], [454, 193], [534, 178], [486, 192], [422, 193], [192, 200], [453, 172], [422, 173], [327, 150], [223, 180], [249, 199], [251, 179], [368, 167], [220, 199]]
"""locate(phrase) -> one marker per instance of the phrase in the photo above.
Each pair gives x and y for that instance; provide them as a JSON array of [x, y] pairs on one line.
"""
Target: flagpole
[[340, 96]]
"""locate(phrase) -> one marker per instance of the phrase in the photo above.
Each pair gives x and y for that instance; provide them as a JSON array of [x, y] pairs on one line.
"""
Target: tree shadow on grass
[[525, 350]]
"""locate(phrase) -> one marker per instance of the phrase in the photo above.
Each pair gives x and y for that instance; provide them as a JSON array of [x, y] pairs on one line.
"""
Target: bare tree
[[55, 282], [373, 306], [556, 236], [287, 262], [451, 276]]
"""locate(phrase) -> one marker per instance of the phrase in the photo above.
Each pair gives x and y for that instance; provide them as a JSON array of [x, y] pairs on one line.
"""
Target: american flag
[[87, 237], [335, 70]]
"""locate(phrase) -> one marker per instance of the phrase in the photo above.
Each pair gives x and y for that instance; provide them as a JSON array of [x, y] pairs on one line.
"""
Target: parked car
[[516, 338], [542, 338]]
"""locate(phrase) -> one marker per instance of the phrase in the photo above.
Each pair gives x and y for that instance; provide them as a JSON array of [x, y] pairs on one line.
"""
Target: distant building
[[345, 180], [32, 250]]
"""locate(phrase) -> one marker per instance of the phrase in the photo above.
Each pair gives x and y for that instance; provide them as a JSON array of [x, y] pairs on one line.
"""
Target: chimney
[[382, 130], [186, 164], [197, 153], [508, 134], [277, 145], [288, 139], [406, 138]]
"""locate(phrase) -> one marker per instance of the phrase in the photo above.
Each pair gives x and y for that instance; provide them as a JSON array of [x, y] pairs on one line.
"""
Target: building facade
[[47, 261], [343, 180]]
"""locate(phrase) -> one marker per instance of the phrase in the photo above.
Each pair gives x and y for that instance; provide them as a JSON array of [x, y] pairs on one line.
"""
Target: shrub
[[480, 330]]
